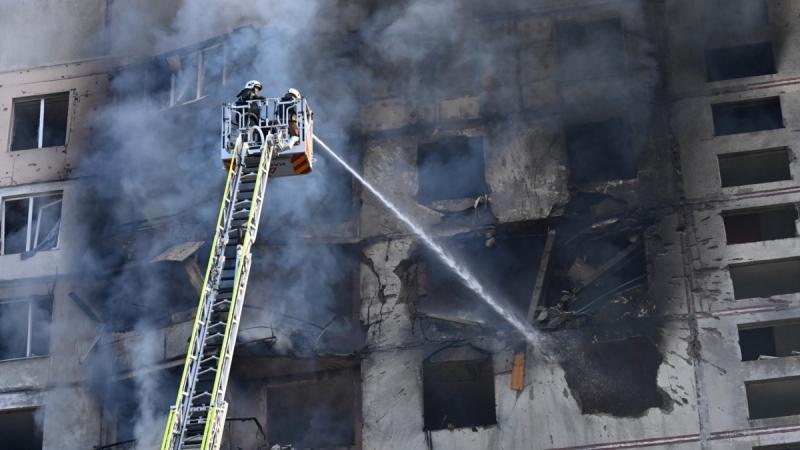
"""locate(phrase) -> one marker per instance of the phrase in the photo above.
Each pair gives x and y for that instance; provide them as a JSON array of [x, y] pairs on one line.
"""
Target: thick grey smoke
[[155, 166]]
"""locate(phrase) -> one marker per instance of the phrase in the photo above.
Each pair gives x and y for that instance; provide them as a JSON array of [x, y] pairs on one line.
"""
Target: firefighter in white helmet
[[246, 96], [287, 110]]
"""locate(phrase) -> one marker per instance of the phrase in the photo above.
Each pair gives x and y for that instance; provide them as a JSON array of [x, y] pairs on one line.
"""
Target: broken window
[[761, 166], [601, 271], [25, 327], [19, 430], [600, 151], [765, 278], [763, 224], [778, 340], [739, 62], [40, 122], [196, 75], [458, 393], [318, 414], [747, 116], [590, 50], [30, 223], [773, 398], [439, 160], [505, 263]]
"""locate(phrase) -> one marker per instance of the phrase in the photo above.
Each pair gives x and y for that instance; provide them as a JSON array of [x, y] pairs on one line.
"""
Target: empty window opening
[[773, 398], [762, 166], [765, 279], [777, 341], [739, 62], [19, 430], [590, 50], [30, 223], [438, 161], [789, 446], [760, 225], [506, 267], [128, 410], [25, 327], [458, 393], [315, 414], [600, 151], [748, 116], [197, 74], [40, 122], [603, 272]]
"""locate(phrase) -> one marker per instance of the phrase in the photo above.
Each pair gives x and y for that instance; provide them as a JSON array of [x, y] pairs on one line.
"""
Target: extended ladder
[[197, 419]]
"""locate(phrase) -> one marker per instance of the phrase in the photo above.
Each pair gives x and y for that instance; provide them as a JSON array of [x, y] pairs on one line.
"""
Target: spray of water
[[531, 335]]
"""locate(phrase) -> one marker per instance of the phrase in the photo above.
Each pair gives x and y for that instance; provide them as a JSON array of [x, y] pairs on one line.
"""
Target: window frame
[[40, 130], [29, 234], [29, 334], [200, 55]]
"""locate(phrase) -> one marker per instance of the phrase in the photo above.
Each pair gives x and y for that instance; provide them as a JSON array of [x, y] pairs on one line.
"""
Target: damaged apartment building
[[620, 173]]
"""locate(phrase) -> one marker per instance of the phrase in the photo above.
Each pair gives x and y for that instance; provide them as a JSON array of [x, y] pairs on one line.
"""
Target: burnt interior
[[763, 224], [760, 166], [458, 393], [19, 430], [777, 340], [313, 414]]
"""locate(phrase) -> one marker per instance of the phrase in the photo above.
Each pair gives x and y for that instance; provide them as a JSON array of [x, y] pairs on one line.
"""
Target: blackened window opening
[[40, 122], [747, 116], [739, 62], [451, 168], [458, 394], [318, 414], [773, 398], [762, 166], [778, 340], [760, 225], [20, 431], [590, 50], [765, 278], [600, 151]]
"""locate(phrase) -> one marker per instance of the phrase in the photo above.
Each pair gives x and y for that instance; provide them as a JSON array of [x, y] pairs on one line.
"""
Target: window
[[19, 430], [600, 151], [766, 278], [748, 116], [30, 223], [773, 398], [40, 122], [739, 62], [458, 393], [779, 340], [25, 327], [318, 414], [790, 446], [590, 50], [196, 75], [761, 166], [451, 168], [764, 224]]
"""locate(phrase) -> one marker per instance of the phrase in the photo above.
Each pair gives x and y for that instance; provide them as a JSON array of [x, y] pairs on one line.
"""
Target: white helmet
[[294, 92], [253, 84]]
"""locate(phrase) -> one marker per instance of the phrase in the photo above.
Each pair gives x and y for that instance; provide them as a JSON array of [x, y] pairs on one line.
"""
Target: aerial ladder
[[259, 140]]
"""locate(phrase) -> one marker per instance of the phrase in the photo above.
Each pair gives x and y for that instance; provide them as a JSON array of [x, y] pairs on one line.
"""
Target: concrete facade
[[642, 337]]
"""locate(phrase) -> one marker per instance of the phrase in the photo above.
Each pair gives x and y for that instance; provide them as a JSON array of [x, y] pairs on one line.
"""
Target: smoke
[[157, 180]]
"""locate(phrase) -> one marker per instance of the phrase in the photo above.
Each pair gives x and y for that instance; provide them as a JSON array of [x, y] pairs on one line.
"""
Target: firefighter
[[287, 109], [246, 96]]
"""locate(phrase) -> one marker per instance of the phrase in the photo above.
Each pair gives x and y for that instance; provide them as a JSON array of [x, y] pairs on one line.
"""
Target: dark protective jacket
[[246, 95], [288, 107]]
